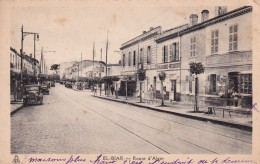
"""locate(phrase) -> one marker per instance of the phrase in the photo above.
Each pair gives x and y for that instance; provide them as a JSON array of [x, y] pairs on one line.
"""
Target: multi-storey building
[[139, 52], [223, 44]]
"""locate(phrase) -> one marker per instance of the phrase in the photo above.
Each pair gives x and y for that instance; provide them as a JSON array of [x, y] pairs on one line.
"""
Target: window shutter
[[163, 54], [171, 52], [166, 54], [177, 51]]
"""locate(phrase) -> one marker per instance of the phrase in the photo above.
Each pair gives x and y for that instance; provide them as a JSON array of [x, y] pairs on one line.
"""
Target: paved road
[[72, 121]]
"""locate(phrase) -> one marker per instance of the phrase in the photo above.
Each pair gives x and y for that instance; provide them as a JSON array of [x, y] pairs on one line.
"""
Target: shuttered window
[[233, 37]]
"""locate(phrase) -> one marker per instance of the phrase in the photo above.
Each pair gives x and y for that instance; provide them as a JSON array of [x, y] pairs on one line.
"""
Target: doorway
[[173, 90]]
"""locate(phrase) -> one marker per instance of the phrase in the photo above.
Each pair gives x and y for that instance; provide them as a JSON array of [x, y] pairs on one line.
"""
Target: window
[[148, 54], [108, 71], [134, 58], [246, 83], [233, 38], [165, 54], [174, 52], [123, 60], [213, 83], [141, 56], [129, 59], [192, 46], [214, 41]]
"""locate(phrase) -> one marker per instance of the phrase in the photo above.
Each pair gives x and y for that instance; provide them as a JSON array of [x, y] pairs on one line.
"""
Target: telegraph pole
[[106, 51], [93, 59], [100, 61], [81, 64], [21, 53], [106, 63]]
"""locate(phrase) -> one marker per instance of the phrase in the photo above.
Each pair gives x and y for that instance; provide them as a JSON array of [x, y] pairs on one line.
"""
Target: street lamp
[[35, 37]]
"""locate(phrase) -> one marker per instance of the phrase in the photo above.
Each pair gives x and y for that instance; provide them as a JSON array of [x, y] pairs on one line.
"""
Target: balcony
[[230, 58]]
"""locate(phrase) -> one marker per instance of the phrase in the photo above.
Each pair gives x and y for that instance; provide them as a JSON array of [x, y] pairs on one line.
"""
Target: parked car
[[47, 83], [52, 84], [32, 94], [45, 90], [68, 84]]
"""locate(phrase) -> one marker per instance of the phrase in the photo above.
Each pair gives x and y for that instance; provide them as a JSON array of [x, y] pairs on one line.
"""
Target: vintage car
[[45, 90], [47, 83], [32, 94], [68, 84], [52, 84]]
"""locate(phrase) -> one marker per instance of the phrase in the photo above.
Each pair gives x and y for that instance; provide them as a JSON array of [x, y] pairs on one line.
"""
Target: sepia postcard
[[129, 82]]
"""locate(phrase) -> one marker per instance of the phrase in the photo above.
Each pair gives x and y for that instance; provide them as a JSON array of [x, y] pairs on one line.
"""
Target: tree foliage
[[162, 76], [55, 67], [141, 74], [196, 68]]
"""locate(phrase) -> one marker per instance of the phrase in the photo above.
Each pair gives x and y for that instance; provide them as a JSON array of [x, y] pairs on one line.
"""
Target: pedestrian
[[112, 89], [95, 90], [151, 93]]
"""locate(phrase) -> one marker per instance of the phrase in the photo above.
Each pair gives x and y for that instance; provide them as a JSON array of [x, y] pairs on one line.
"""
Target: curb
[[16, 110], [234, 125]]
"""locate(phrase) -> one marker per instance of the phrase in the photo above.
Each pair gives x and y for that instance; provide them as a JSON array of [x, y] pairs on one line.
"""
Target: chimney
[[151, 28], [204, 15], [144, 32], [193, 19], [219, 10]]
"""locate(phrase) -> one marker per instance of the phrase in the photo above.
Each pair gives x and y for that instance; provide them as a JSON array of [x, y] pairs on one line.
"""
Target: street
[[72, 121]]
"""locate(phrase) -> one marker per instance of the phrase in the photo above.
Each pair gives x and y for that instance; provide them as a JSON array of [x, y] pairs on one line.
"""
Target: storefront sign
[[168, 66]]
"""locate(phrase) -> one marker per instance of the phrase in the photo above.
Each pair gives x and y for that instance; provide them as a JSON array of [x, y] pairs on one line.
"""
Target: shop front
[[231, 85], [171, 84]]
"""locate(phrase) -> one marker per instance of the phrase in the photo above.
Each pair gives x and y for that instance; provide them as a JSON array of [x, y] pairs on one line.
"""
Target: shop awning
[[245, 72]]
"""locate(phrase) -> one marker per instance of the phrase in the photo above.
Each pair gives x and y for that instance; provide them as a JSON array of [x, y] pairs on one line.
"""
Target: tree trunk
[[100, 87], [162, 93], [196, 95], [126, 90], [116, 91], [140, 91]]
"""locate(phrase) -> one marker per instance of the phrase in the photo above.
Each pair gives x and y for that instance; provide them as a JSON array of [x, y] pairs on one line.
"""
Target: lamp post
[[35, 36]]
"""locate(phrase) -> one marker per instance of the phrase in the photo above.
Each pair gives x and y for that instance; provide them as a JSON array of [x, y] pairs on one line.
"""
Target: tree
[[162, 77], [116, 78], [126, 78], [55, 67], [141, 77], [196, 68]]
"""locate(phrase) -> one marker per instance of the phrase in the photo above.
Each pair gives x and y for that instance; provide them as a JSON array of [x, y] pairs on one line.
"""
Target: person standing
[[112, 89], [151, 93], [95, 90]]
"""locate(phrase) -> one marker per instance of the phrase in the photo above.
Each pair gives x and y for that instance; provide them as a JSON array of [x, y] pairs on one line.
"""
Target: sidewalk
[[239, 117], [15, 105]]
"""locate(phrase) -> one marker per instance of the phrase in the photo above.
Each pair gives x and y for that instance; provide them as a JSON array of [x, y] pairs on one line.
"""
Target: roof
[[147, 35], [220, 18]]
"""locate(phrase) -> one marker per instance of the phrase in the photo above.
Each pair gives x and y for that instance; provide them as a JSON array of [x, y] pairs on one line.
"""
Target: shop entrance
[[173, 90], [233, 82]]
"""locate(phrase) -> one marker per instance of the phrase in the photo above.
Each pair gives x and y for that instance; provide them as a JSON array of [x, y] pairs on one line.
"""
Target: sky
[[70, 31]]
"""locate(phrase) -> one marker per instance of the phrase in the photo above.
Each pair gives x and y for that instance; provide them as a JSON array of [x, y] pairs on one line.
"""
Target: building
[[169, 60], [114, 69], [139, 52], [223, 44]]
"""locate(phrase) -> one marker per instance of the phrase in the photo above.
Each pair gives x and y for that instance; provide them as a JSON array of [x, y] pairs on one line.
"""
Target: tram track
[[82, 101]]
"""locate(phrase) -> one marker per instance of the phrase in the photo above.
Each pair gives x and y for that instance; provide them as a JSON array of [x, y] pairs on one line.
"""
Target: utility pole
[[100, 61], [93, 59], [106, 62], [21, 53], [81, 64], [106, 51]]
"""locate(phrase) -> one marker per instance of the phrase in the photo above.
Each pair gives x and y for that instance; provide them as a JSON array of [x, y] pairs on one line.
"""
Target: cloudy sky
[[70, 30]]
